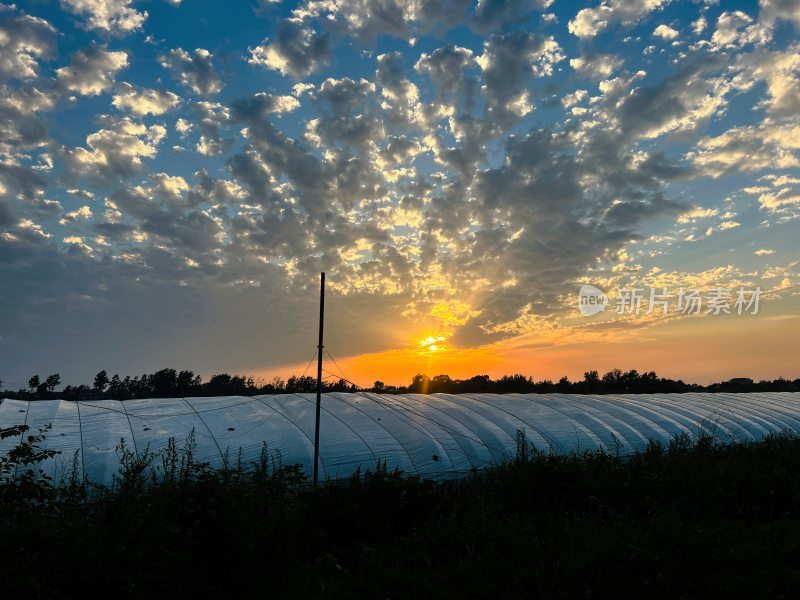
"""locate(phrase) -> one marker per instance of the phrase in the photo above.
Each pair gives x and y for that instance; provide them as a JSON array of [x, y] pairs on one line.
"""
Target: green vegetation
[[692, 519], [170, 383]]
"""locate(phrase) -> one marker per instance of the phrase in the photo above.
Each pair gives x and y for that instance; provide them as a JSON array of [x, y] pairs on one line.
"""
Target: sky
[[174, 175]]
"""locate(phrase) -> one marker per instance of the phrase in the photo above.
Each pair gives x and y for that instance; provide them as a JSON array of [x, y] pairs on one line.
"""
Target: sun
[[431, 343]]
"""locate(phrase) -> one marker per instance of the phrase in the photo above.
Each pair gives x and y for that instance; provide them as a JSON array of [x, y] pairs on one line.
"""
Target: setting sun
[[431, 343]]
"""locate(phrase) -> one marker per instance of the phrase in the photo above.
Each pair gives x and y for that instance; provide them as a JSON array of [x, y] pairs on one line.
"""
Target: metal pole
[[319, 374]]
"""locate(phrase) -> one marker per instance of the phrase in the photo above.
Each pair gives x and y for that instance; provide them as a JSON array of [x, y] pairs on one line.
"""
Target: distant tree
[[301, 384], [479, 383], [52, 382], [34, 383], [440, 384], [420, 384], [277, 385], [163, 383], [378, 387], [115, 387], [564, 384], [101, 381], [187, 382]]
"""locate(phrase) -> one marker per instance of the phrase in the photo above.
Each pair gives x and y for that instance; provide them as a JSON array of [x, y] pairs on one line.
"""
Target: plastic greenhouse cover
[[435, 436]]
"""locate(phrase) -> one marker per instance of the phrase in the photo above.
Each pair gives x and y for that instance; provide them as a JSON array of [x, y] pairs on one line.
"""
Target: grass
[[691, 520]]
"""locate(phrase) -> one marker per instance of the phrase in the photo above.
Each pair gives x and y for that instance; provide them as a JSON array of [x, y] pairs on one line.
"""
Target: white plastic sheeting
[[435, 436]]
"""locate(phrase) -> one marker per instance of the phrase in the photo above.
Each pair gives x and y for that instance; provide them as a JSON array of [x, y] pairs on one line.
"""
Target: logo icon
[[591, 300]]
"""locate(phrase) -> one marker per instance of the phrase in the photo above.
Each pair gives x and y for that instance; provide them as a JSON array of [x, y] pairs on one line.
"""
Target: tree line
[[170, 383]]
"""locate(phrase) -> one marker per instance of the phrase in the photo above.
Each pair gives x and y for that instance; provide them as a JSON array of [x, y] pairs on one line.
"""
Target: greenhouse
[[435, 436]]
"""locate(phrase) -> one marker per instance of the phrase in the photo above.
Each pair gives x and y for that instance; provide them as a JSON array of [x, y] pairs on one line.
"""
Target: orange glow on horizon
[[697, 351]]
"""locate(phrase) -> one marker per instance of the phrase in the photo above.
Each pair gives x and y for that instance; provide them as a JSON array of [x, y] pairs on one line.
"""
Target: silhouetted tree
[[420, 384], [101, 381], [170, 383], [188, 382], [52, 382], [163, 383]]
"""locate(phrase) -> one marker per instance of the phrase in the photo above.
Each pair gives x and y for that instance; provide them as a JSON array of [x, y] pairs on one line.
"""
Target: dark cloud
[[297, 50], [492, 14], [194, 70]]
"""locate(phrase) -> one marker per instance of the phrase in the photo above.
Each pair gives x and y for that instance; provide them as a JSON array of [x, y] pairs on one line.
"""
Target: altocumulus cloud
[[456, 163]]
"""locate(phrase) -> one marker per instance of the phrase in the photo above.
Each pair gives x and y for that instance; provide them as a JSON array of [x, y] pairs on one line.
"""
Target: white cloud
[[781, 199], [697, 212], [112, 16], [92, 70], [781, 72], [665, 32], [23, 40], [142, 101], [182, 126], [699, 26], [723, 226], [118, 150], [748, 148], [591, 21], [596, 66], [84, 213], [737, 28], [575, 98]]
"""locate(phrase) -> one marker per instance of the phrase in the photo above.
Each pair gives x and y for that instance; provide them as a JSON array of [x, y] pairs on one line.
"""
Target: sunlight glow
[[431, 343]]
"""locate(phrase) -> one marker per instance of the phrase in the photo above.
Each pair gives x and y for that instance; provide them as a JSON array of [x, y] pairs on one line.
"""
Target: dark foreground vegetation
[[170, 383], [691, 520]]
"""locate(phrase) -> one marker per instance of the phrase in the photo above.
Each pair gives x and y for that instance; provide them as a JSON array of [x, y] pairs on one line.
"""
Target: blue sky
[[174, 175]]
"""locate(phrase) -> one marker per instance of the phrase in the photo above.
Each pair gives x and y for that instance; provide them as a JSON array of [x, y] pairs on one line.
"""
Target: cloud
[[491, 14], [781, 72], [665, 32], [117, 150], [697, 212], [24, 40], [366, 20], [591, 21], [772, 10], [348, 113], [83, 213], [195, 71], [508, 63], [447, 68], [723, 226], [596, 66], [115, 17], [211, 119], [92, 70], [464, 181], [141, 101], [769, 144], [779, 196], [783, 198], [735, 29], [682, 102], [297, 50]]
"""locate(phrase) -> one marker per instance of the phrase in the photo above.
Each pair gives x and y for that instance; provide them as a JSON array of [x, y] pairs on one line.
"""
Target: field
[[689, 520]]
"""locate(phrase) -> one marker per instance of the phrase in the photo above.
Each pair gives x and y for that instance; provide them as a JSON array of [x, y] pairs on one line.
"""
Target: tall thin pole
[[319, 374]]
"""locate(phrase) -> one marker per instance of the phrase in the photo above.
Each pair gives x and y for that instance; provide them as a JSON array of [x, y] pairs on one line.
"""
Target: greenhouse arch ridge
[[436, 436]]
